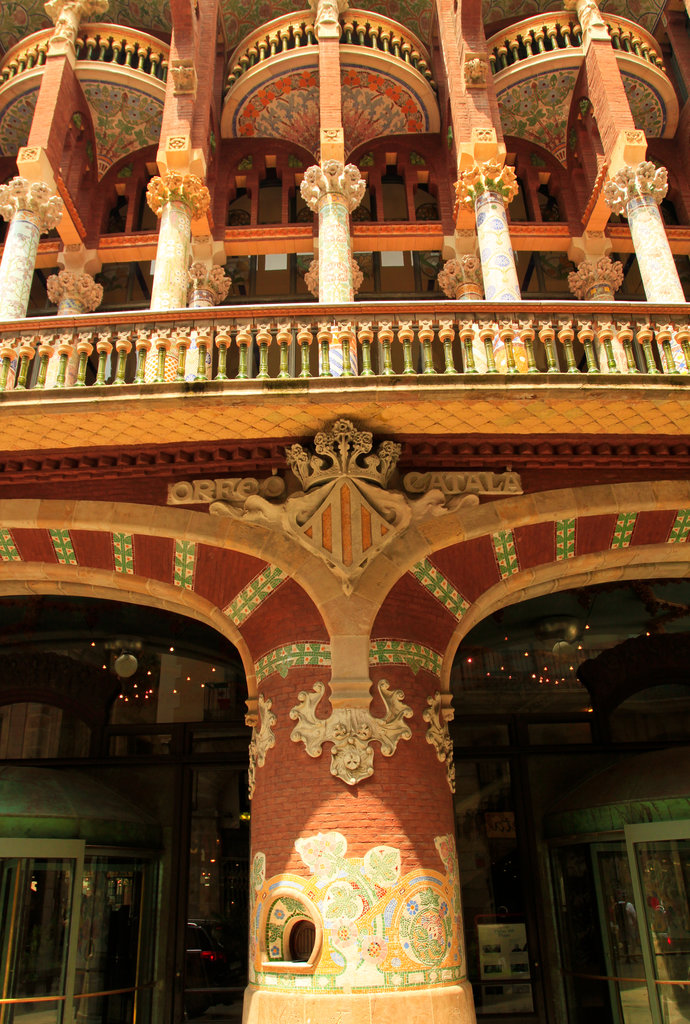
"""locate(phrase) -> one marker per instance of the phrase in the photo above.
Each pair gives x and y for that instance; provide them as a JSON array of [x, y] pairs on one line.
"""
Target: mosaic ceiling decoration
[[645, 12], [15, 121], [646, 106], [124, 120], [286, 106], [537, 109]]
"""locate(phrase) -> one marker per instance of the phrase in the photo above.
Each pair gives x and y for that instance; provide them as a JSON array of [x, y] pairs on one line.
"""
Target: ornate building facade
[[344, 508]]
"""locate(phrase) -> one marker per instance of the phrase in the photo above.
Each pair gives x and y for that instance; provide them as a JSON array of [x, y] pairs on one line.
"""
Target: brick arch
[[447, 591], [211, 568]]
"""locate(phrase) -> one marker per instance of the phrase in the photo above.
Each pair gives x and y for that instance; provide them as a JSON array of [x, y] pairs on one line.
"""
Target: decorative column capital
[[311, 278], [178, 188], [645, 179], [67, 15], [75, 290], [209, 279], [490, 176], [331, 178], [591, 21], [33, 198], [462, 276], [596, 279]]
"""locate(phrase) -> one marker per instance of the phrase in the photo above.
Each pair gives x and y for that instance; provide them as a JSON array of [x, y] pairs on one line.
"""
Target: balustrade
[[105, 44], [405, 340], [561, 31]]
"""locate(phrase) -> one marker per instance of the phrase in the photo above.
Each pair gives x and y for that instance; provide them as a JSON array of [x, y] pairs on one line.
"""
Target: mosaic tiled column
[[635, 192], [32, 210], [360, 844], [333, 192], [461, 279], [176, 199], [74, 294], [487, 188], [598, 281], [208, 286]]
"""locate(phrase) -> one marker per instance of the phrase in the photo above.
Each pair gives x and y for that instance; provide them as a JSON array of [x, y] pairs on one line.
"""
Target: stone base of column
[[451, 1005]]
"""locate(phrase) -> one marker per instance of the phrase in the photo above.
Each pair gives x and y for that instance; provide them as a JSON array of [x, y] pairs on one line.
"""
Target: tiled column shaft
[[32, 210], [333, 192], [636, 192], [372, 863]]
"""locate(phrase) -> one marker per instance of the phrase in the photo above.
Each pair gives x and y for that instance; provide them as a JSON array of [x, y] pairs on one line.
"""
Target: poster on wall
[[504, 967]]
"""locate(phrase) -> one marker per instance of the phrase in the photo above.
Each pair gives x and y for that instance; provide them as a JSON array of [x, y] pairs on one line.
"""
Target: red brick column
[[371, 865]]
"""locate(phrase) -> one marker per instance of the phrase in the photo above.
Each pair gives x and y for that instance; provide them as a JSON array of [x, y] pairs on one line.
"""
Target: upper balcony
[[514, 372], [273, 87], [122, 72]]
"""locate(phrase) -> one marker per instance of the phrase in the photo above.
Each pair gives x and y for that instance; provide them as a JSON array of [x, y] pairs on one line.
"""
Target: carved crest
[[351, 731]]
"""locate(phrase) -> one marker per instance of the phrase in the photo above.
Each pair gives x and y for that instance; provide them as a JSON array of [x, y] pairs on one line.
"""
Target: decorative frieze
[[439, 737], [262, 739], [351, 731]]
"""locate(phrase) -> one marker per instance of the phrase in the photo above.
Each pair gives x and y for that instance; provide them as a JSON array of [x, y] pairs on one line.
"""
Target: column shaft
[[170, 280], [17, 266]]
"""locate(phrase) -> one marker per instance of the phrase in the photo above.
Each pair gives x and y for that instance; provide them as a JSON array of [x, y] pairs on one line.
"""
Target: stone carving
[[329, 178], [327, 16], [178, 188], [351, 731], [600, 279], [233, 489], [589, 16], [463, 482], [490, 176], [208, 285], [646, 179], [262, 739], [184, 77], [73, 292], [35, 198], [439, 737], [311, 278], [67, 15], [475, 68], [462, 277], [344, 474]]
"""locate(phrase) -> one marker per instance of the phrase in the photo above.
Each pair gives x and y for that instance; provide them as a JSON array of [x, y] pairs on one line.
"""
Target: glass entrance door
[[39, 908], [659, 855]]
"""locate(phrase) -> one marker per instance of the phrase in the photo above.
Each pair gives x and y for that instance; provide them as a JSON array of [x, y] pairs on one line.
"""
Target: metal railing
[[535, 340]]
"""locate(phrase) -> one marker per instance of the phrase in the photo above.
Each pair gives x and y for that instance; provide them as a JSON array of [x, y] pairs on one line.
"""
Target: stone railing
[[546, 33], [289, 32], [105, 44], [535, 340], [359, 28]]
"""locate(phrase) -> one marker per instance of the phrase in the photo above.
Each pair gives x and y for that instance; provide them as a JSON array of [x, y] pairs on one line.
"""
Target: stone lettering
[[231, 489], [463, 482]]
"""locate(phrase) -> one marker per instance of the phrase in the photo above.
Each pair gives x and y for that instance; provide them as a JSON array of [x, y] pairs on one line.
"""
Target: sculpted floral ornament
[[311, 278], [490, 176], [67, 15], [646, 179], [344, 473], [78, 290], [462, 276], [592, 279], [212, 281], [351, 731], [262, 740], [332, 178], [439, 737], [178, 188], [35, 200]]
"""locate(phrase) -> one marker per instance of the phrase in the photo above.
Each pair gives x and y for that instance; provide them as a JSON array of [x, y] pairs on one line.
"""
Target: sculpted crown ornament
[[311, 278], [343, 451], [344, 515], [461, 276], [212, 279], [79, 288], [646, 179], [490, 176], [605, 276], [351, 731], [33, 198], [178, 188], [331, 178]]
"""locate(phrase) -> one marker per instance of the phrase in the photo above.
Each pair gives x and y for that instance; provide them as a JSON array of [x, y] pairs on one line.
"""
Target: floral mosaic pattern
[[380, 928], [646, 106], [124, 120], [646, 13], [287, 107], [537, 109], [15, 122]]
